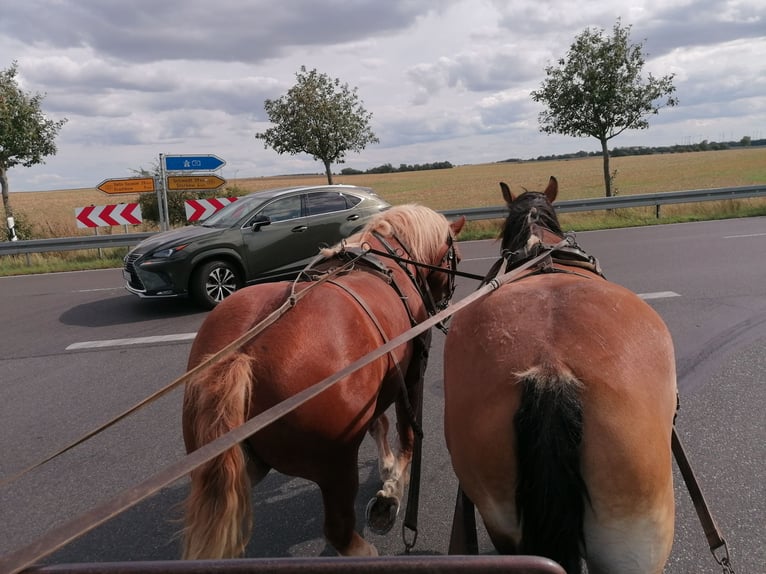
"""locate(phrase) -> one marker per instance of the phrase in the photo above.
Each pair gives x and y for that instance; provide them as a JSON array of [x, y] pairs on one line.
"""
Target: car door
[[279, 246], [330, 217]]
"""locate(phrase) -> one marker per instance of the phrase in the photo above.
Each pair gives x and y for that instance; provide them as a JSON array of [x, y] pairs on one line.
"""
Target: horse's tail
[[218, 513], [551, 493]]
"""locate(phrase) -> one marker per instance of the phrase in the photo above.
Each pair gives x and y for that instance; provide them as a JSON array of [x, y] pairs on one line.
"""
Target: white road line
[[188, 336], [133, 341], [747, 235], [658, 295]]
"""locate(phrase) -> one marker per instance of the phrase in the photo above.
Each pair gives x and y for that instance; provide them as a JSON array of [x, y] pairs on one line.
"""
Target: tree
[[598, 90], [26, 134], [318, 116]]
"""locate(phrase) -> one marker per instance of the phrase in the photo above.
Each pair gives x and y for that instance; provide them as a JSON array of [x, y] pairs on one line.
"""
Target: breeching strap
[[65, 533]]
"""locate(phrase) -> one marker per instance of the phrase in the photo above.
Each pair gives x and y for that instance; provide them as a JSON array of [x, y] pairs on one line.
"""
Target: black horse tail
[[551, 493]]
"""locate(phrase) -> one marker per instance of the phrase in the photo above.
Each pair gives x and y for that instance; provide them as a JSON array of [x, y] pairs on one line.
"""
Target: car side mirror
[[260, 221]]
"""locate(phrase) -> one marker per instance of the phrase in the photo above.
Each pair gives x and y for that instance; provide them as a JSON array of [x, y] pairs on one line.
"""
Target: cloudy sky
[[445, 80]]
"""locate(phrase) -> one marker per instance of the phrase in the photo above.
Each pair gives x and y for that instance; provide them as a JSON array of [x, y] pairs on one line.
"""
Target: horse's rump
[[559, 401]]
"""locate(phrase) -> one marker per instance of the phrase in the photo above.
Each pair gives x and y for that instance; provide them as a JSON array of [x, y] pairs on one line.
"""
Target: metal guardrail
[[72, 243], [471, 213], [624, 201]]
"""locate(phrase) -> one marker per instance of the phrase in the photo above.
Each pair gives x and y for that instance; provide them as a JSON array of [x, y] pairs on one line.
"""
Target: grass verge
[[35, 263]]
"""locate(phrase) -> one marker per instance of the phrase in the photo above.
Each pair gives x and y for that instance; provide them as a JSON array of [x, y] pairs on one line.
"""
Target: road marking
[[132, 341], [189, 336], [748, 235], [658, 295]]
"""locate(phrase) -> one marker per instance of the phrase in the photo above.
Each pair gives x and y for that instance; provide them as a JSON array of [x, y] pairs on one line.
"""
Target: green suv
[[267, 235]]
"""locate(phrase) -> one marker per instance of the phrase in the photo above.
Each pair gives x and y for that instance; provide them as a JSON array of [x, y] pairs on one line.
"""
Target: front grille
[[130, 269]]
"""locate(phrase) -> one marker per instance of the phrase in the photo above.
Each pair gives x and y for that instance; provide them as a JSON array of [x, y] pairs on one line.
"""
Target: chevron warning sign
[[201, 209], [108, 215]]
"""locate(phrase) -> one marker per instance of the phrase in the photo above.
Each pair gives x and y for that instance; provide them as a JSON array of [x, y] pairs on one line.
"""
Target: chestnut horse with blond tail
[[336, 322], [560, 394]]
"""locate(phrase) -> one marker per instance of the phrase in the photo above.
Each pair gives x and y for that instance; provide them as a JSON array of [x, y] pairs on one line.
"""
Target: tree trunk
[[607, 178], [328, 171], [6, 199]]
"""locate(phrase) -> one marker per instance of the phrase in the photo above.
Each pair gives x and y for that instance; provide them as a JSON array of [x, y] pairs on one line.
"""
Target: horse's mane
[[422, 230], [529, 209]]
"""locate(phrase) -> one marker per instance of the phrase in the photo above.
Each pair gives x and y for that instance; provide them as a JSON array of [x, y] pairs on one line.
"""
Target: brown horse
[[560, 393], [335, 323]]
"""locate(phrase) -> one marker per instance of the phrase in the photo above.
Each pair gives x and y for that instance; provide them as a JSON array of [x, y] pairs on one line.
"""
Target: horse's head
[[530, 214], [425, 242], [442, 283]]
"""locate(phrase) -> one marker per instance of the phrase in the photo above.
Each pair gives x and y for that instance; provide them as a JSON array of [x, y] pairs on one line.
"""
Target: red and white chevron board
[[108, 215], [199, 209]]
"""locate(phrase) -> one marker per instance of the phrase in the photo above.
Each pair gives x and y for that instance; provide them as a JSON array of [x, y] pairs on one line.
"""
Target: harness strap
[[422, 345], [454, 272], [712, 533], [569, 254], [400, 376]]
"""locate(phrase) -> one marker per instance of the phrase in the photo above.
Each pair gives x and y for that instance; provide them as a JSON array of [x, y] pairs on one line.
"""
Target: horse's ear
[[552, 190], [457, 225], [507, 195]]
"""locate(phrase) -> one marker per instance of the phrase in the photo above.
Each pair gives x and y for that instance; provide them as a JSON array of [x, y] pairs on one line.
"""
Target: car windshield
[[234, 212]]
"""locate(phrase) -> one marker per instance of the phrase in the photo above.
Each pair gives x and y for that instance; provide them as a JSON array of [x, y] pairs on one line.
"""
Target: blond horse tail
[[218, 512]]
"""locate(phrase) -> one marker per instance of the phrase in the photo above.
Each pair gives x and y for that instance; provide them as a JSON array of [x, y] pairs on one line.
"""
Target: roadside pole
[[162, 197]]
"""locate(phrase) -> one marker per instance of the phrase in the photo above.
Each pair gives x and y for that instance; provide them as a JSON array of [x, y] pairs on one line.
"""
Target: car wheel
[[212, 282]]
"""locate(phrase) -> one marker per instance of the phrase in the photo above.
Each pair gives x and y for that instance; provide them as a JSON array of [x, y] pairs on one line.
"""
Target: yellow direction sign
[[186, 182], [127, 185]]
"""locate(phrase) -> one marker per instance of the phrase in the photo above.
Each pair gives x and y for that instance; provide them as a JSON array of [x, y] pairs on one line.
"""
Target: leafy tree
[[26, 134], [597, 90], [318, 116]]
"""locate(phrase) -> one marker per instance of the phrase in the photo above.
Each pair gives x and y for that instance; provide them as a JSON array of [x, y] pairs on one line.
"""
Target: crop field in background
[[51, 213]]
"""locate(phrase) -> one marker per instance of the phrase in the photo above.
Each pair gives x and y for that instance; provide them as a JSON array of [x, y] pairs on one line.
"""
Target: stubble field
[[51, 213]]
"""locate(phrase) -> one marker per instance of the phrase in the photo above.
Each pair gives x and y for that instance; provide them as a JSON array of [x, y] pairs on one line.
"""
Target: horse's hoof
[[381, 514]]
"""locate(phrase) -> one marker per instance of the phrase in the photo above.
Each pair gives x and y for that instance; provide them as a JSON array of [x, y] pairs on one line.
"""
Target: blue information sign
[[193, 162]]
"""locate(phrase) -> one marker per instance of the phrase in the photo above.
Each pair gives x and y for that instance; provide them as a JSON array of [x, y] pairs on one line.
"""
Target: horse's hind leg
[[634, 544], [394, 472], [339, 492], [383, 509], [386, 460]]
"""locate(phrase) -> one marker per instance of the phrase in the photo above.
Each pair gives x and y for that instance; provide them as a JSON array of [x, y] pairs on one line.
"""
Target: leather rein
[[68, 531]]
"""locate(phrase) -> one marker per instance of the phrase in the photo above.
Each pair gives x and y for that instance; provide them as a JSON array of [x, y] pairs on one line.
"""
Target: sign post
[[187, 164]]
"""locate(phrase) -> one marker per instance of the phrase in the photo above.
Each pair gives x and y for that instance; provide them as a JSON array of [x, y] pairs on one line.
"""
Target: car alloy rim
[[220, 283]]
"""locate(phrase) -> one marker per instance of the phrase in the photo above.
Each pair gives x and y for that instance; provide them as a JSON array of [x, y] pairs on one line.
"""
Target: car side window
[[283, 208], [326, 202]]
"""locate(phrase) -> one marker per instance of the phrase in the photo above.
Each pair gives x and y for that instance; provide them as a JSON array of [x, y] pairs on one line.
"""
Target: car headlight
[[165, 253]]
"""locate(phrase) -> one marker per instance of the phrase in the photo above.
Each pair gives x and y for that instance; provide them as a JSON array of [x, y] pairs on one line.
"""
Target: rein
[[65, 533], [715, 540], [453, 272], [290, 302]]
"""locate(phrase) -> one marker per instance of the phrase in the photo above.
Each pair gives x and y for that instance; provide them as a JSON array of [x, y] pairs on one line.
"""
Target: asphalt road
[[707, 280]]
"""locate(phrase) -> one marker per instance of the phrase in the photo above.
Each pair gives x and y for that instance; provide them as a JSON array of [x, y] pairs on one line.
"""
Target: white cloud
[[444, 80]]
